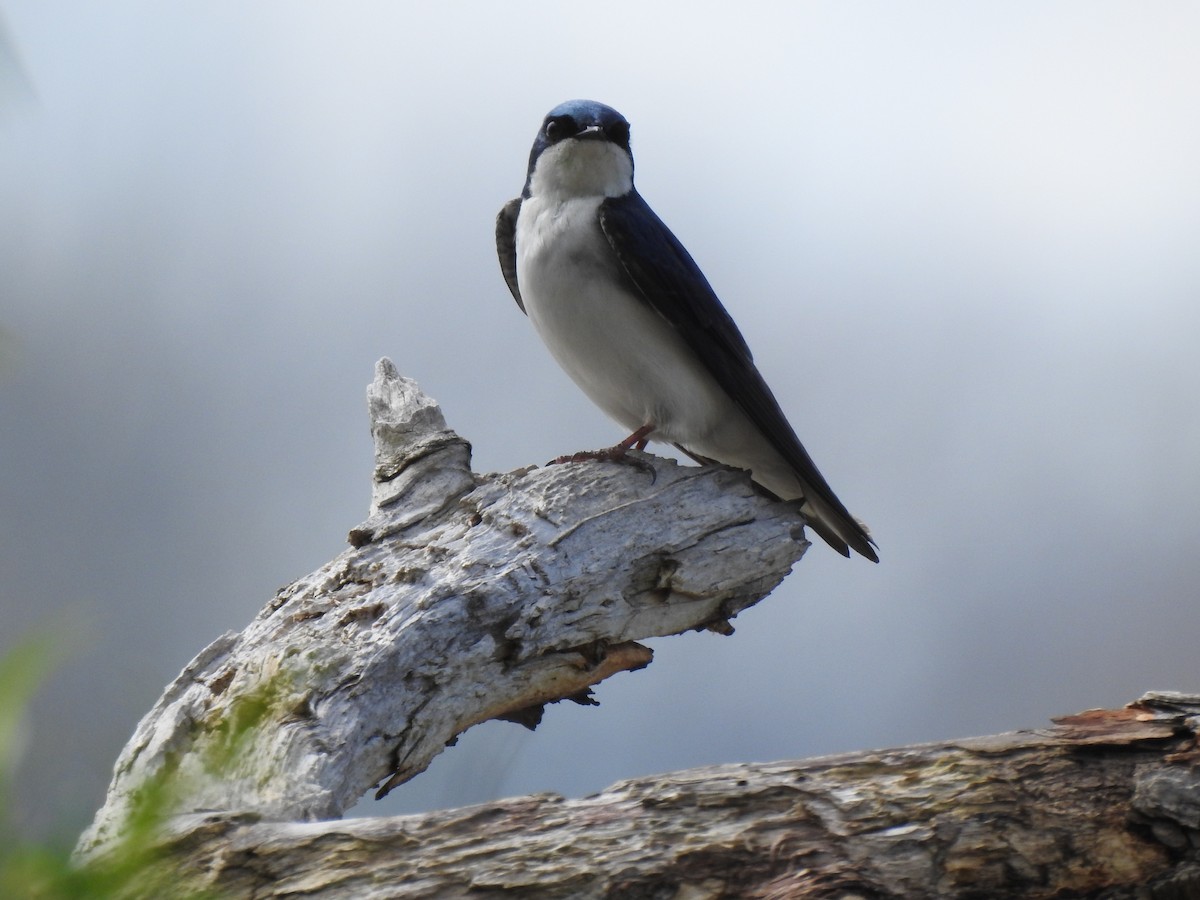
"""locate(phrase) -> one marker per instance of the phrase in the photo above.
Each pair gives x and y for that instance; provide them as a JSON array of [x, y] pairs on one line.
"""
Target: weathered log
[[467, 597], [463, 598], [1105, 804]]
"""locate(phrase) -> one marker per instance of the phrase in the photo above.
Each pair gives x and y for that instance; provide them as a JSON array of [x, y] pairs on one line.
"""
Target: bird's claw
[[618, 454]]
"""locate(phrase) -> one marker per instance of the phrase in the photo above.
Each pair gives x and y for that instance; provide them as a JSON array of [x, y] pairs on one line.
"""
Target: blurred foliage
[[134, 867]]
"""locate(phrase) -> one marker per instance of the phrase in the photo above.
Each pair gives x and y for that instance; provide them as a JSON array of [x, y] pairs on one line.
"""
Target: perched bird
[[628, 314]]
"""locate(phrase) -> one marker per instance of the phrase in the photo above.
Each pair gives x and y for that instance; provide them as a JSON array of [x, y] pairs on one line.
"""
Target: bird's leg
[[616, 453], [638, 440]]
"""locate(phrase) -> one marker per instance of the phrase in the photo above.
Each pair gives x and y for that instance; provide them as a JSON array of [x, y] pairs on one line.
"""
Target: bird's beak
[[591, 133]]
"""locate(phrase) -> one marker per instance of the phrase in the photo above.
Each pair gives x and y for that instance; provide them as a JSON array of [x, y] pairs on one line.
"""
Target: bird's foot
[[616, 453]]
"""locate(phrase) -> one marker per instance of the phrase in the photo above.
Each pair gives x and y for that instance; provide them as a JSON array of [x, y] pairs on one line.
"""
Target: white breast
[[621, 353]]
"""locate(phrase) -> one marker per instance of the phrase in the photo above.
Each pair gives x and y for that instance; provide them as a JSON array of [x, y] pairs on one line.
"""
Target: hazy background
[[961, 239]]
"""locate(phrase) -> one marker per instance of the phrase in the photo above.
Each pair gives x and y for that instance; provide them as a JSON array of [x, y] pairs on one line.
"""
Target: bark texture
[[1105, 804], [465, 598]]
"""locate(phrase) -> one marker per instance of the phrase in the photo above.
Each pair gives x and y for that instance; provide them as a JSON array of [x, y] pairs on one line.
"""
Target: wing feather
[[670, 281], [506, 246]]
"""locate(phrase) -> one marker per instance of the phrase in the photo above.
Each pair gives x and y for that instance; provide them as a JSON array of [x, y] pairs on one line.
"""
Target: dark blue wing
[[671, 282], [506, 246]]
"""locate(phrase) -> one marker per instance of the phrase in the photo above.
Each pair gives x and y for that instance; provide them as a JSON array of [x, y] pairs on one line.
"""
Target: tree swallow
[[628, 314]]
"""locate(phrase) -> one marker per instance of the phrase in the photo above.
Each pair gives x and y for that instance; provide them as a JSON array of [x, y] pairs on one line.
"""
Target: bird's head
[[581, 150]]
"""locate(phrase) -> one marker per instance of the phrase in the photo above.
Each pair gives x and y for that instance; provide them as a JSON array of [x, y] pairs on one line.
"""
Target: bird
[[627, 313]]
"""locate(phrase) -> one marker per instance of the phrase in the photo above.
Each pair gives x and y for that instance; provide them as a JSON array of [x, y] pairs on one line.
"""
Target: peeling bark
[[1106, 804], [465, 598], [462, 598]]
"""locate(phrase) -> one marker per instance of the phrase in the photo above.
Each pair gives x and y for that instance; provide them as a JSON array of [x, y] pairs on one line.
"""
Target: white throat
[[572, 169]]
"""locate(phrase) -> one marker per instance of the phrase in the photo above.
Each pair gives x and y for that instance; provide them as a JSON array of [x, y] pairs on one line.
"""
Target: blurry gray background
[[961, 239]]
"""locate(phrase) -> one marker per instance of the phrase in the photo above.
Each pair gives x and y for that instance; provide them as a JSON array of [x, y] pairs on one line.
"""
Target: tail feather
[[831, 521], [842, 533]]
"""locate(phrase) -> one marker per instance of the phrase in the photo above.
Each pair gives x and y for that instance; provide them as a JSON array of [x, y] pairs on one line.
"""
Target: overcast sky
[[961, 239]]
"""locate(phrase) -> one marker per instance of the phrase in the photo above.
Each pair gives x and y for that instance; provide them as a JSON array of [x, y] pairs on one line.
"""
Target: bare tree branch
[[463, 598], [1105, 805], [466, 598]]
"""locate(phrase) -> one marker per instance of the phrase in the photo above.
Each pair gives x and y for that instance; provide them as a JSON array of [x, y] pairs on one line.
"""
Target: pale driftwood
[[466, 598], [463, 598]]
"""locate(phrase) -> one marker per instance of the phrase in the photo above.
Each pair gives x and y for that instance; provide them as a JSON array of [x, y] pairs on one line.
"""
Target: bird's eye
[[618, 133], [559, 128]]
